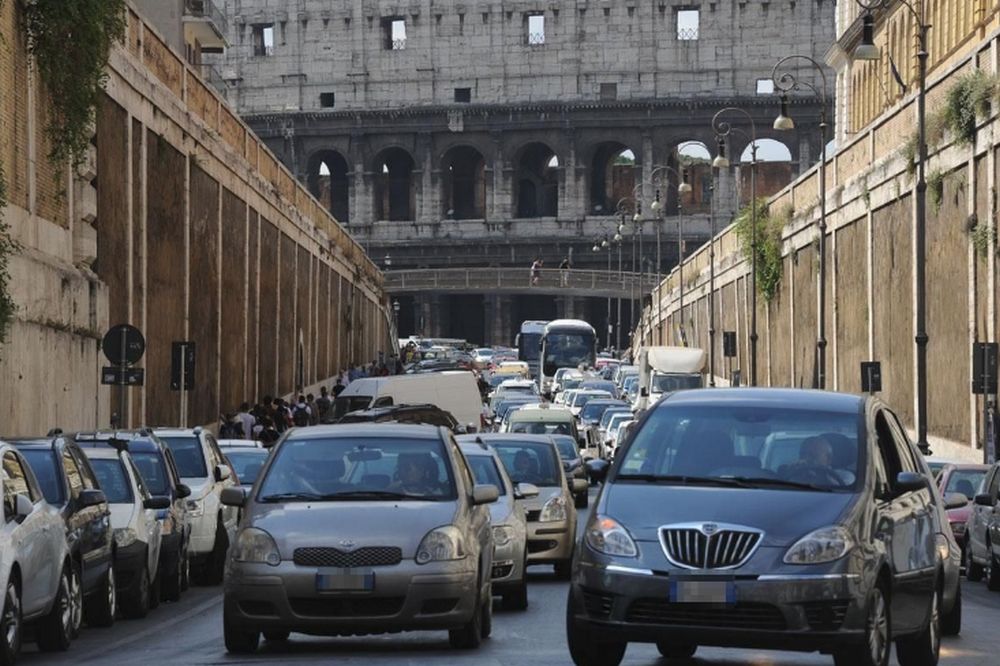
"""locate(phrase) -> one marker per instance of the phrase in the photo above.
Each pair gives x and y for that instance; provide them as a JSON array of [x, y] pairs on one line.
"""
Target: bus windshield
[[568, 349], [527, 346]]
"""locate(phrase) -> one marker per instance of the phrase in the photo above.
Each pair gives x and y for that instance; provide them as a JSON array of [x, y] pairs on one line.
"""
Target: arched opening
[[328, 181], [537, 182], [768, 150], [774, 169], [612, 177], [463, 170], [395, 194], [694, 158]]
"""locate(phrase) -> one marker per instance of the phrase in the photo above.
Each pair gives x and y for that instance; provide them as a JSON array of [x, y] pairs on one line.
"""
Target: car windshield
[[599, 386], [530, 462], [965, 481], [608, 417], [566, 447], [519, 388], [350, 403], [570, 383], [581, 399], [666, 383], [757, 445], [188, 456], [247, 463], [43, 464], [485, 472], [353, 468], [541, 427], [153, 472], [593, 411], [113, 479]]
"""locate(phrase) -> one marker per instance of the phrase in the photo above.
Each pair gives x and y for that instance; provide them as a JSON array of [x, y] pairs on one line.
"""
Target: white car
[[32, 544], [137, 528], [204, 469], [581, 397]]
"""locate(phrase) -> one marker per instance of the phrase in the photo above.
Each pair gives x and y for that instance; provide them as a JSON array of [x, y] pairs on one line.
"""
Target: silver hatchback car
[[361, 529]]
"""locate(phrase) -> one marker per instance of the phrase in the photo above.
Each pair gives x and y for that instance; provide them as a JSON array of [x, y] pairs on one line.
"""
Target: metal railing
[[521, 280], [207, 9]]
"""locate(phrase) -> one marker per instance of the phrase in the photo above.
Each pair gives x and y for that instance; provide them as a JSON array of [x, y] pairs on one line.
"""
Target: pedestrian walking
[[323, 403], [564, 272], [301, 414], [536, 267], [338, 387], [247, 420], [313, 412]]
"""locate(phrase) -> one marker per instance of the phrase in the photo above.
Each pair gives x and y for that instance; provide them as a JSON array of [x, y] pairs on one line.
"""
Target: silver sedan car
[[359, 529]]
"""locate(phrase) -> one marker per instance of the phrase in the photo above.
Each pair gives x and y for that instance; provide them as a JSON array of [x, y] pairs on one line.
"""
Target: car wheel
[[135, 604], [585, 648], [185, 571], [517, 598], [878, 634], [973, 570], [10, 624], [923, 649], [564, 569], [277, 635], [76, 599], [55, 631], [487, 623], [155, 590], [215, 565], [238, 640], [582, 500], [470, 636], [104, 603], [676, 650], [951, 622], [993, 569], [174, 582]]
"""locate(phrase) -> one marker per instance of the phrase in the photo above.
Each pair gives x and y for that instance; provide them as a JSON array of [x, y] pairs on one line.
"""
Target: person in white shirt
[[247, 420]]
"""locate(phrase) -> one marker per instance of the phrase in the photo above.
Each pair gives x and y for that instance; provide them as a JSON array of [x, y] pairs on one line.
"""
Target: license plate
[[349, 581], [702, 592]]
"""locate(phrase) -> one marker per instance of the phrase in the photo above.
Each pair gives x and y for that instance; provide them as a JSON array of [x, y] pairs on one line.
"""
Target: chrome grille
[[370, 556], [709, 545]]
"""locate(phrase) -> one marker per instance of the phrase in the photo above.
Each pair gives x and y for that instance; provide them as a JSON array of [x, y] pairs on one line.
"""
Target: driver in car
[[816, 458], [525, 470], [416, 474]]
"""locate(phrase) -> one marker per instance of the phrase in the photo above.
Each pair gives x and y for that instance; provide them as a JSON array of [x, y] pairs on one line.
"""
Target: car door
[[479, 516], [152, 532], [30, 540], [982, 517], [229, 514], [98, 526]]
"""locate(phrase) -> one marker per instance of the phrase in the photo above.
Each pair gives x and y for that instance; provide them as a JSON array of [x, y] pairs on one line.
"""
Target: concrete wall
[[181, 223]]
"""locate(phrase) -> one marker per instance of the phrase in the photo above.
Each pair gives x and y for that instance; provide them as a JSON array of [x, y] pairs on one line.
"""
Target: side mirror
[[484, 494], [644, 392], [159, 503], [222, 472], [183, 490], [983, 500], [955, 501], [22, 507], [910, 481], [234, 496], [92, 497], [525, 491], [597, 469], [579, 486]]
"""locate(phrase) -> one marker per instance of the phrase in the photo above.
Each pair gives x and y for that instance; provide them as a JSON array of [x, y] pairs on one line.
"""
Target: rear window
[[965, 481], [247, 463], [43, 464], [114, 482], [530, 462], [541, 428], [188, 456], [353, 403], [153, 472]]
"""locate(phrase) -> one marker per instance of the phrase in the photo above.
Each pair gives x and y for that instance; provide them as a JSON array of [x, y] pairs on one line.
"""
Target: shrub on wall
[[969, 99], [768, 244], [7, 247]]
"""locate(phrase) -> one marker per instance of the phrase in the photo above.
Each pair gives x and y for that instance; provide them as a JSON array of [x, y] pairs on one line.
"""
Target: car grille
[[346, 607], [738, 616], [597, 605], [372, 556], [690, 547], [826, 615]]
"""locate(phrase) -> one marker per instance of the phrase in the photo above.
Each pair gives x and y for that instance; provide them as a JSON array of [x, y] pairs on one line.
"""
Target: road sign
[[182, 360], [871, 376], [729, 344], [116, 375], [984, 368], [124, 345]]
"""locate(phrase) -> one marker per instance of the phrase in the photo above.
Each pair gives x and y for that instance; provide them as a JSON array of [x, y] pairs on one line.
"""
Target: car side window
[[994, 484], [903, 446], [86, 472], [15, 482], [215, 455], [888, 451], [175, 477], [463, 465], [143, 491], [73, 476]]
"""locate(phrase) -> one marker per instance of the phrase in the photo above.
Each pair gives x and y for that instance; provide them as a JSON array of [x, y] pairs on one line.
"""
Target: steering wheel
[[818, 474]]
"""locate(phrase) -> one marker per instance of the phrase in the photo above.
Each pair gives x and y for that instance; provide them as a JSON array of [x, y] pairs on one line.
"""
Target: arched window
[[537, 182], [612, 176], [464, 184], [395, 195], [328, 181]]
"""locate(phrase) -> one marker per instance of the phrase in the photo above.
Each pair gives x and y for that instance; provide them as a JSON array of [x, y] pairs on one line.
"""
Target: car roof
[[471, 447], [31, 442], [967, 466], [411, 430], [177, 432], [800, 399], [238, 444], [138, 441], [101, 453], [542, 414], [489, 437]]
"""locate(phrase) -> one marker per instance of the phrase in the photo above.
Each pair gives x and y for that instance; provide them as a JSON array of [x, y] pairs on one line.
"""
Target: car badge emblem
[[347, 545], [708, 529]]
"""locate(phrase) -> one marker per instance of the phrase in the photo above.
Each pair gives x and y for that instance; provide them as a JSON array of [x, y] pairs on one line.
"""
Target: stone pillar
[[571, 204], [427, 208], [646, 168], [435, 316], [505, 313], [490, 309], [361, 196], [803, 158]]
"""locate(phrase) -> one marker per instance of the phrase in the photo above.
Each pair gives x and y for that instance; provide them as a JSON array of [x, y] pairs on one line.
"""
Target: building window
[[609, 92], [687, 24], [463, 95], [394, 33], [765, 87], [535, 29], [327, 100], [263, 39]]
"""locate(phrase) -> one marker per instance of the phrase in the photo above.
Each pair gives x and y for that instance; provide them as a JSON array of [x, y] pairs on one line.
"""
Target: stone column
[[643, 173], [505, 325], [490, 316], [427, 208], [435, 316], [571, 204]]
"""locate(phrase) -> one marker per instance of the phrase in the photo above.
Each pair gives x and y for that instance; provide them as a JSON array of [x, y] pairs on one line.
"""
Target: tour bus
[[566, 343], [528, 344]]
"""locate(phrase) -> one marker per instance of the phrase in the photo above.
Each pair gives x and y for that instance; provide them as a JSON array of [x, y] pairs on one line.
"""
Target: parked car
[[510, 530], [572, 462], [245, 457], [696, 539], [965, 479], [69, 484], [158, 471], [204, 470], [551, 515], [138, 531], [35, 568], [982, 532], [396, 504]]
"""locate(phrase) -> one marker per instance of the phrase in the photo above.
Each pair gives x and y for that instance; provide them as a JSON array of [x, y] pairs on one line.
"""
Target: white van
[[453, 391]]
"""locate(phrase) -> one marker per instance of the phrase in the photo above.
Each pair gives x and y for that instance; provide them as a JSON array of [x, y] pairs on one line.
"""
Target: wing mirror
[[159, 503], [955, 501], [984, 499], [910, 481], [22, 508], [222, 472], [234, 496], [92, 497], [485, 494], [579, 486], [597, 469], [183, 490], [525, 491]]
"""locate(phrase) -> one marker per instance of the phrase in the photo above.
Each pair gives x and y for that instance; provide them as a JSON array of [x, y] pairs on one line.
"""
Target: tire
[[582, 501], [951, 623], [215, 565], [76, 595], [104, 602], [584, 647], [470, 636], [923, 649], [185, 570], [238, 640], [135, 604], [174, 582], [878, 633], [11, 626], [55, 630], [487, 628], [993, 570], [564, 569], [276, 635], [676, 650], [517, 598], [973, 570], [155, 591]]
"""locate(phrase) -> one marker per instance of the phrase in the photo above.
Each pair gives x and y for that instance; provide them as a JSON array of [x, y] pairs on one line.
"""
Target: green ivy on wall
[[7, 248], [768, 245], [969, 99]]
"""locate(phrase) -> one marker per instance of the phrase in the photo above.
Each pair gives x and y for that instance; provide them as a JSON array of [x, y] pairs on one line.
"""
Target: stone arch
[[613, 176], [463, 182], [768, 150], [328, 179], [536, 181], [394, 185]]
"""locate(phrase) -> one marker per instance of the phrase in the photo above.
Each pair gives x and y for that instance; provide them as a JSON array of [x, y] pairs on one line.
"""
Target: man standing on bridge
[[564, 272]]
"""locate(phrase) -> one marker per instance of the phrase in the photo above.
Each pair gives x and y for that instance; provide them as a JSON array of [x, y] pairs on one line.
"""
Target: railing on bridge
[[520, 280]]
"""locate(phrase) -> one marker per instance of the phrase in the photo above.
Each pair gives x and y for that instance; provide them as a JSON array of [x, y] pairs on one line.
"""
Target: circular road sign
[[123, 342]]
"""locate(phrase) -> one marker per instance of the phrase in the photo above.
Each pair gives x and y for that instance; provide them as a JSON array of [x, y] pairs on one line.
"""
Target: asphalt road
[[190, 632]]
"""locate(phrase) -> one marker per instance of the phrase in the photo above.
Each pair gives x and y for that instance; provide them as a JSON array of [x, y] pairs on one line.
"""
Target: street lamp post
[[387, 262], [683, 187], [867, 50], [711, 284], [723, 128], [787, 82]]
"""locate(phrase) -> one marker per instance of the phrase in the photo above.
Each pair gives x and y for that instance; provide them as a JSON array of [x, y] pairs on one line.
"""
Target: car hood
[[500, 511], [545, 493], [784, 515], [121, 515], [309, 524], [200, 487]]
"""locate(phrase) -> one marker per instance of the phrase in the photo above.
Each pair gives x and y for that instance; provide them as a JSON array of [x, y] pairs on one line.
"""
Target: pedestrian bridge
[[551, 282]]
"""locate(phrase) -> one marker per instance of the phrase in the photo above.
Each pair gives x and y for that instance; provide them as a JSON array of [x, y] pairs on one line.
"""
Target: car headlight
[[256, 545], [606, 535], [195, 508], [553, 511], [823, 545], [125, 536], [502, 535], [440, 545]]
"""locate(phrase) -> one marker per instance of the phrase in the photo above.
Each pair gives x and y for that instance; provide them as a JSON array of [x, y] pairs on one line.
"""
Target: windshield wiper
[[284, 497], [684, 480], [764, 481], [373, 494]]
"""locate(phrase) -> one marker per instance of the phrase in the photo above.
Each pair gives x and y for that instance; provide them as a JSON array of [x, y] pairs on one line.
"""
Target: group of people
[[538, 264]]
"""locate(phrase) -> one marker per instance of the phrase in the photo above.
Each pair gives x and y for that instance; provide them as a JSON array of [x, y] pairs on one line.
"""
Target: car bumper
[[550, 542], [405, 597], [787, 612], [508, 565]]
